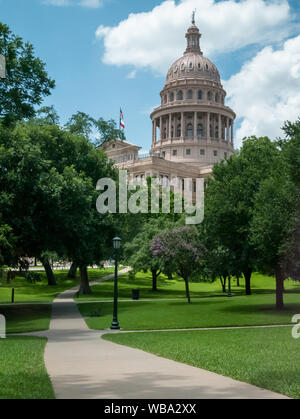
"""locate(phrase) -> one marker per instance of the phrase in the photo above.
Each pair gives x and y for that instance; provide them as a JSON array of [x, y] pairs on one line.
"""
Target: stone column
[[160, 128], [232, 132], [195, 125], [182, 124], [208, 127], [227, 130], [170, 125], [220, 128]]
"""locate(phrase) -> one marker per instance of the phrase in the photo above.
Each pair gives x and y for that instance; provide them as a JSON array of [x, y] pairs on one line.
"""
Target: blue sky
[[102, 58]]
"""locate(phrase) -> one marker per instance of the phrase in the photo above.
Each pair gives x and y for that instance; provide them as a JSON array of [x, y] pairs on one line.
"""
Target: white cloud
[[154, 39], [266, 92], [131, 75], [92, 4]]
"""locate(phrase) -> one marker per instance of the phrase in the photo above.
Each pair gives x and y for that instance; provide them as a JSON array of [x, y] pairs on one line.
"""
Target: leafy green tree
[[27, 81], [81, 124], [108, 130], [138, 252], [7, 245], [47, 184], [48, 115], [229, 201], [180, 251], [276, 216]]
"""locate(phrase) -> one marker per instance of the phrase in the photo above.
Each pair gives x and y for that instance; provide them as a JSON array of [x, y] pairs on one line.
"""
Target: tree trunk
[[84, 281], [73, 271], [187, 288], [247, 275], [223, 282], [279, 289], [49, 272], [237, 281], [154, 280]]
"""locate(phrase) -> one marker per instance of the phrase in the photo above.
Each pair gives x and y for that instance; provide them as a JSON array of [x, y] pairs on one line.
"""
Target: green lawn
[[26, 318], [42, 292], [23, 318], [258, 309], [176, 289], [23, 374], [267, 358]]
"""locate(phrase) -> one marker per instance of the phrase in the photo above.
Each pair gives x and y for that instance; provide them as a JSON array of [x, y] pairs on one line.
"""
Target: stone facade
[[191, 130]]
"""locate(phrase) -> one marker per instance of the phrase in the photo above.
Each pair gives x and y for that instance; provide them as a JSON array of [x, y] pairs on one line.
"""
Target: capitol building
[[192, 129]]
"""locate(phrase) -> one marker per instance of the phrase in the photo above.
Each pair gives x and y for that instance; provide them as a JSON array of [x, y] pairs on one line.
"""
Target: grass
[[206, 312], [23, 374], [41, 291], [26, 318], [23, 318], [176, 289], [267, 358]]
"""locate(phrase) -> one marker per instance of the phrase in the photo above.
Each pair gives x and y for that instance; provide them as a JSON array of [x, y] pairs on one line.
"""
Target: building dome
[[193, 66], [195, 126]]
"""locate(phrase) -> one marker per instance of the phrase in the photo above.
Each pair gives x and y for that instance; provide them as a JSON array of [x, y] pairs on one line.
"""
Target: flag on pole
[[122, 123]]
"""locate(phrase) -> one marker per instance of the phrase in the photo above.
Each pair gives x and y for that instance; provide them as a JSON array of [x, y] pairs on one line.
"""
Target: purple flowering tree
[[181, 252]]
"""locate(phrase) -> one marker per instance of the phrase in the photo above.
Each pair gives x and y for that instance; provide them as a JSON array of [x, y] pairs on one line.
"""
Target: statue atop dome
[[193, 17]]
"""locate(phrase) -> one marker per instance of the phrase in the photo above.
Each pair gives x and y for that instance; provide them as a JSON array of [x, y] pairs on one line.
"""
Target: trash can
[[135, 294]]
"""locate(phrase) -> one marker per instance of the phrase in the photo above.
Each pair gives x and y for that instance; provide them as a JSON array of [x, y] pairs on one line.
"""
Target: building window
[[179, 130], [114, 146], [215, 153], [171, 97], [199, 66], [200, 95], [217, 97], [188, 152], [190, 94], [163, 154], [174, 152], [202, 152], [180, 95], [208, 95], [191, 66], [200, 130], [189, 130]]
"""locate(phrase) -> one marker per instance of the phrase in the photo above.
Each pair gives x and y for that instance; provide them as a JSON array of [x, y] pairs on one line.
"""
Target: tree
[[47, 184], [80, 124], [48, 115], [83, 124], [276, 216], [181, 252], [138, 252], [229, 201], [108, 130], [27, 81]]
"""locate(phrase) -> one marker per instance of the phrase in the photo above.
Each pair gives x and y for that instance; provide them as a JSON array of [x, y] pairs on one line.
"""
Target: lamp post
[[115, 323]]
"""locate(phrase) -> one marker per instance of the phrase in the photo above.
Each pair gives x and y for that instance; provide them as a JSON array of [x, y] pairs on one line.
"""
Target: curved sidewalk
[[81, 365]]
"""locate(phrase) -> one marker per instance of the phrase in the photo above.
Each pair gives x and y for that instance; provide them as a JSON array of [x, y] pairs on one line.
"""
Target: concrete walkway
[[81, 365]]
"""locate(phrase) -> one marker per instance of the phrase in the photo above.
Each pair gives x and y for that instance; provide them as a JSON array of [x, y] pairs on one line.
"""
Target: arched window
[[217, 97], [208, 95], [200, 130], [165, 133], [180, 95], [191, 66], [200, 95], [171, 97], [179, 130], [211, 131], [189, 130], [190, 94]]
